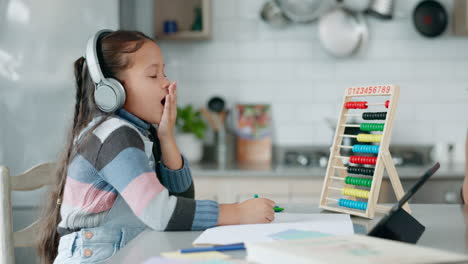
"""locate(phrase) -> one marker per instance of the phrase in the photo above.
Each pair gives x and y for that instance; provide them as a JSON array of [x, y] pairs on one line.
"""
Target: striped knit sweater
[[112, 160]]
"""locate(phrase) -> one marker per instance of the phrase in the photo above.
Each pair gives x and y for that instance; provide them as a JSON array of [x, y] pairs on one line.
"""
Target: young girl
[[113, 182]]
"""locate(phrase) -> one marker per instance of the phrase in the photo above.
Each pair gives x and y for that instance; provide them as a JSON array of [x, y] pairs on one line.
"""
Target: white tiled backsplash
[[249, 61]]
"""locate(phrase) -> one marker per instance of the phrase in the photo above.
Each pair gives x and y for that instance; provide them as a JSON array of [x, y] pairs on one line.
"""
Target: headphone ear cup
[[119, 91], [109, 95]]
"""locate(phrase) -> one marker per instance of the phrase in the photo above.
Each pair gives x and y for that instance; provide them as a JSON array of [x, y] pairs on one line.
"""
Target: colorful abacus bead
[[366, 149], [369, 138], [372, 127], [355, 193], [352, 204], [360, 170], [358, 181], [374, 116], [363, 105], [356, 105], [363, 160]]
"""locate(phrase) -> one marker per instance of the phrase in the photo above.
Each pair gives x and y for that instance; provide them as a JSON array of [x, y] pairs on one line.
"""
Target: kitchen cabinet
[[304, 185], [208, 188], [184, 13], [436, 190], [237, 189], [244, 189], [304, 190]]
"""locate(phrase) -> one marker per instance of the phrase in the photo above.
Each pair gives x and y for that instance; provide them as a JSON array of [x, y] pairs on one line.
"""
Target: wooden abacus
[[366, 184]]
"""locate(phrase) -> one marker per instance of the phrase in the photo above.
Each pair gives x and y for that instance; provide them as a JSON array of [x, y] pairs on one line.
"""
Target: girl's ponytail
[[79, 65], [48, 237]]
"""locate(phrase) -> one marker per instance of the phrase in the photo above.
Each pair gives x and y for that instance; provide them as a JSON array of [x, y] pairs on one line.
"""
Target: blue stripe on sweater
[[206, 214], [125, 167], [81, 170]]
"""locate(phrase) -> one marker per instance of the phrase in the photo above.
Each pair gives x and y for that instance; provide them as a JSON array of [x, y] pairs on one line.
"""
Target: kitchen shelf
[[183, 12]]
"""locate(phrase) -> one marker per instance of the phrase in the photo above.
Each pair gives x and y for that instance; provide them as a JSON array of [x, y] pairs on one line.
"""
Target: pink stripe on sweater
[[87, 197], [139, 193]]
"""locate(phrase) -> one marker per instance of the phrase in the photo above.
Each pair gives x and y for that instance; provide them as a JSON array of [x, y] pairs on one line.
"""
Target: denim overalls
[[93, 245]]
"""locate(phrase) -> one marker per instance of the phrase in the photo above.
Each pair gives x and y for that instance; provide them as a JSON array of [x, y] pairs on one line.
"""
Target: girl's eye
[[154, 76]]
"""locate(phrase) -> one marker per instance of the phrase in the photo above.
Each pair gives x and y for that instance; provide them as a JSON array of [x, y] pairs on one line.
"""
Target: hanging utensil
[[304, 11], [382, 8], [356, 5], [430, 18], [217, 106], [342, 32], [273, 15]]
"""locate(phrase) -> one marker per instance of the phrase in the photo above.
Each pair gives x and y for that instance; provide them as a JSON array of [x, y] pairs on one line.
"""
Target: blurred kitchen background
[[291, 59]]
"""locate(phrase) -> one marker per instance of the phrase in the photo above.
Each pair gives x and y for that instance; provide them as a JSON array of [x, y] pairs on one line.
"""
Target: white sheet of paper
[[335, 224]]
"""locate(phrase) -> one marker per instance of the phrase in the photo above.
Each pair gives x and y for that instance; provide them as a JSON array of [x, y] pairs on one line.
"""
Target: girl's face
[[145, 83]]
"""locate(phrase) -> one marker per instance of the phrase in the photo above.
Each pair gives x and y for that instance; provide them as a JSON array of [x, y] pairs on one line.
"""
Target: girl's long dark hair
[[114, 53]]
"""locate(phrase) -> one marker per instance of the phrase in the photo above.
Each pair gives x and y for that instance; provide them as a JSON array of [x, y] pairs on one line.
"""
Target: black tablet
[[398, 224]]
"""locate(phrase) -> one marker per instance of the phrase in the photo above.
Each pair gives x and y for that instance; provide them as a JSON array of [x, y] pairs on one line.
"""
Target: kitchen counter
[[232, 169]]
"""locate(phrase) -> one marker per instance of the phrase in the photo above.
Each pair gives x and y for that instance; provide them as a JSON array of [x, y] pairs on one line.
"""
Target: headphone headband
[[92, 56]]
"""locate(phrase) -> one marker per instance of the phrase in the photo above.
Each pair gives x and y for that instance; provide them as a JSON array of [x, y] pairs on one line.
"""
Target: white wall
[[40, 40], [248, 61]]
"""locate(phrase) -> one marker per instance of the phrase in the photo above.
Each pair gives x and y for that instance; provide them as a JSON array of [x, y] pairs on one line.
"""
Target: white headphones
[[109, 93]]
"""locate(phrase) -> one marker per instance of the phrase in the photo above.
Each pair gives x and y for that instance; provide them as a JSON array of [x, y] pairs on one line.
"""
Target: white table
[[445, 229]]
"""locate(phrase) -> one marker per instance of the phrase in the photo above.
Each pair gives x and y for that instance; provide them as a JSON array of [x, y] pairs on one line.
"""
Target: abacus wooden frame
[[384, 158]]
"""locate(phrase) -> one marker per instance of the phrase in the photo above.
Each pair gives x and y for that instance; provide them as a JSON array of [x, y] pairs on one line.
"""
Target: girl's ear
[[121, 78], [123, 84]]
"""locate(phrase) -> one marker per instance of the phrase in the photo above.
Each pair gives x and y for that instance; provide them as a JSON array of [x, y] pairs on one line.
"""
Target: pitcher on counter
[[121, 171]]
